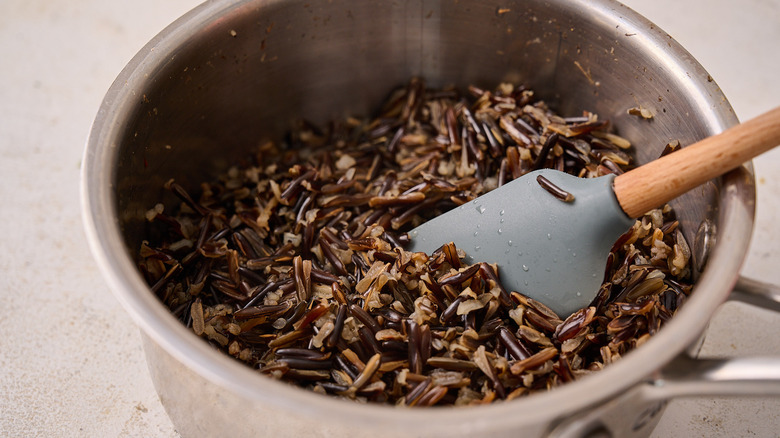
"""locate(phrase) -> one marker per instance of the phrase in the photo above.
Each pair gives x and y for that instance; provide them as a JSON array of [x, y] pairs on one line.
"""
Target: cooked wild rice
[[296, 265]]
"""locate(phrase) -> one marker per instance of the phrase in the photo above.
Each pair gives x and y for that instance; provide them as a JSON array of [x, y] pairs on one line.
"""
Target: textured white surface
[[70, 359]]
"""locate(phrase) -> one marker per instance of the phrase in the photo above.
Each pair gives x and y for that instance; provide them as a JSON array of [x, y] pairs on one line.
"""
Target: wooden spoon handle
[[668, 177]]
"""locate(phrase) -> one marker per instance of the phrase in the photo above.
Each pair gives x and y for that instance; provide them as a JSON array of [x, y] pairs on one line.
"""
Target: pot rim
[[99, 214]]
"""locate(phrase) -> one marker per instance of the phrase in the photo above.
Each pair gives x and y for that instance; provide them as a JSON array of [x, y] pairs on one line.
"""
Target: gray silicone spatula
[[555, 251]]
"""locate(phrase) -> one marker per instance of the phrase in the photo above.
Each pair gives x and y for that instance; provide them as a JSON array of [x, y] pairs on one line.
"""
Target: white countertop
[[71, 363]]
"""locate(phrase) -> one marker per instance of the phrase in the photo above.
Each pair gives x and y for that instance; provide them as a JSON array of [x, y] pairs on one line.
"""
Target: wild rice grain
[[554, 190]]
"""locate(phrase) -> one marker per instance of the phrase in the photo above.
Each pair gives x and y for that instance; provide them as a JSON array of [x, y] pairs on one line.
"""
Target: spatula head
[[545, 248]]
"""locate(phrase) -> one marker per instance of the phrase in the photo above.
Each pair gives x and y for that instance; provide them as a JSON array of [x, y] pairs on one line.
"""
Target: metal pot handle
[[756, 293], [685, 376]]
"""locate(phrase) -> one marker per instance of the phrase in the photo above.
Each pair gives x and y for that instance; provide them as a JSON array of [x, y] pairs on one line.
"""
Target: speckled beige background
[[71, 364]]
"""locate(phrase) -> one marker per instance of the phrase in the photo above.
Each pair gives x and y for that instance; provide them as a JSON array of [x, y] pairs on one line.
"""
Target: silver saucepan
[[231, 73]]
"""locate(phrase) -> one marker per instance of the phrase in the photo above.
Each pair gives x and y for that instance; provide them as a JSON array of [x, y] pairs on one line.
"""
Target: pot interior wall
[[245, 77]]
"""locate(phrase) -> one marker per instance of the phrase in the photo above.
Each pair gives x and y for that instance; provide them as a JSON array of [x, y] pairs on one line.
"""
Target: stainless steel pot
[[232, 72]]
